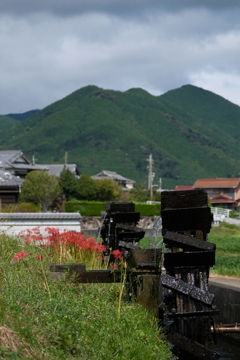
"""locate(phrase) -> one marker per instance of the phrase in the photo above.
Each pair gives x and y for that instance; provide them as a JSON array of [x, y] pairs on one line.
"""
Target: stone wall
[[94, 222]]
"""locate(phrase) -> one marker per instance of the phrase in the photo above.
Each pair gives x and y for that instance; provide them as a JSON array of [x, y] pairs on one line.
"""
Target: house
[[16, 163], [223, 192], [14, 166], [56, 169], [10, 188], [183, 187], [126, 184]]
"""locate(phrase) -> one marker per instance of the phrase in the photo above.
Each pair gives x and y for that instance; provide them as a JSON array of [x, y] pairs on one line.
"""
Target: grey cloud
[[46, 57], [133, 8]]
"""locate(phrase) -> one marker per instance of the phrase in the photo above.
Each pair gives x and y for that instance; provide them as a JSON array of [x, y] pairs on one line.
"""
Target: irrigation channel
[[227, 350]]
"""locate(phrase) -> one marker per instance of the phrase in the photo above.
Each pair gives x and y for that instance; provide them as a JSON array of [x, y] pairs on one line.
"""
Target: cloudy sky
[[50, 48]]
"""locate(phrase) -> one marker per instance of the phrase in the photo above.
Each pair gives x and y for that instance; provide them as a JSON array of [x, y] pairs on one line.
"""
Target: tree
[[141, 194], [107, 190], [68, 183], [87, 188], [40, 188]]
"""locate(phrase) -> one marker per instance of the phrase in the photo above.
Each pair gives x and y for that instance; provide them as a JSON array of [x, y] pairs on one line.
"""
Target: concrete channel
[[227, 300]]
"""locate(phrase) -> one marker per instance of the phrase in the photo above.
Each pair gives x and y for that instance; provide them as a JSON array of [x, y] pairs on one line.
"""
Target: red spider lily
[[66, 244], [39, 257], [117, 254], [19, 256]]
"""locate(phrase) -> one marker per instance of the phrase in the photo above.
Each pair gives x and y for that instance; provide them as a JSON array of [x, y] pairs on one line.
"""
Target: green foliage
[[7, 123], [226, 237], [68, 183], [22, 207], [185, 130], [86, 208], [98, 190], [94, 208], [87, 188], [141, 194], [148, 209], [56, 319], [234, 214], [107, 190], [40, 188]]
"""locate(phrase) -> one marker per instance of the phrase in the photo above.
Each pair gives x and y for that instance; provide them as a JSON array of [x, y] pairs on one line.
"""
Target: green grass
[[227, 240], [57, 319]]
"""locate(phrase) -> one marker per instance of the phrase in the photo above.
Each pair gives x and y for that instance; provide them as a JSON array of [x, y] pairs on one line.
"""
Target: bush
[[94, 208], [85, 208], [21, 207], [148, 209]]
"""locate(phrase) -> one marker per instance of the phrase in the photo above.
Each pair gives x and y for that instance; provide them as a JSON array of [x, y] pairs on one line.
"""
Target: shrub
[[94, 208], [21, 207]]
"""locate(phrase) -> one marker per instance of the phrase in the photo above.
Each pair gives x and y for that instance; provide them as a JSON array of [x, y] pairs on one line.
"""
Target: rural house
[[223, 192], [16, 163], [10, 188], [126, 184], [56, 169]]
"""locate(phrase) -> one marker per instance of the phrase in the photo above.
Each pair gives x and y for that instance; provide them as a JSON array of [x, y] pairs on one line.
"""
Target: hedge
[[94, 208]]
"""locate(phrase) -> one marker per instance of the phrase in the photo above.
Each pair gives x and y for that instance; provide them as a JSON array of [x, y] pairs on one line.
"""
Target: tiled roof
[[222, 198], [112, 175], [183, 187], [7, 179], [216, 183], [56, 169], [9, 156], [45, 215]]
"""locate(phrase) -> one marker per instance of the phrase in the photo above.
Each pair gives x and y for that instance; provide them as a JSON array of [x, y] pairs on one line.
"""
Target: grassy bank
[[42, 318], [227, 239]]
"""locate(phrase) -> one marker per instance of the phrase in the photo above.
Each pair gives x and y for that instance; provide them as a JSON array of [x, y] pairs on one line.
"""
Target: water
[[227, 349]]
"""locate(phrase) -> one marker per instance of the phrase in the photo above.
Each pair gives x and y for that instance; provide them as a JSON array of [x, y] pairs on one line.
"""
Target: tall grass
[[227, 240], [46, 318]]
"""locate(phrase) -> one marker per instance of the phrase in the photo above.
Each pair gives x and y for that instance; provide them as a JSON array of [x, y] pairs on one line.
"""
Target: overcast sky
[[50, 48]]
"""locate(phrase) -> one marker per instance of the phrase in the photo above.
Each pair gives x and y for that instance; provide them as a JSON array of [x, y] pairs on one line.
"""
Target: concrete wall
[[13, 223], [227, 293]]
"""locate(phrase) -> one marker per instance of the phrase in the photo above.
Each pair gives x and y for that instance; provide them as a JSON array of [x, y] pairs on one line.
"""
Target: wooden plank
[[67, 267], [98, 276], [128, 217], [186, 242], [186, 289], [192, 347], [196, 258], [183, 199], [187, 219]]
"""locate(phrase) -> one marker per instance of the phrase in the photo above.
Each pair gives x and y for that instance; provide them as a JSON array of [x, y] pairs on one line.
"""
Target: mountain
[[6, 123], [191, 133], [22, 116]]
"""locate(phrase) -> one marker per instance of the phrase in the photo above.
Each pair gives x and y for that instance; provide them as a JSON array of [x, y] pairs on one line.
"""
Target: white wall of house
[[14, 223]]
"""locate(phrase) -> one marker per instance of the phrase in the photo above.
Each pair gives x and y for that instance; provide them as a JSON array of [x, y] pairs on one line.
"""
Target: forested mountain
[[191, 133], [22, 116], [6, 123]]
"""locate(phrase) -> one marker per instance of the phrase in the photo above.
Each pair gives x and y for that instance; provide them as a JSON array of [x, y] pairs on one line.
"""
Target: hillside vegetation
[[6, 123], [190, 132]]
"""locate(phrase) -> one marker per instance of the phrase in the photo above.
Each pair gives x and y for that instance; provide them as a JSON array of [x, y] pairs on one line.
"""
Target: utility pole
[[150, 175], [33, 160], [65, 159]]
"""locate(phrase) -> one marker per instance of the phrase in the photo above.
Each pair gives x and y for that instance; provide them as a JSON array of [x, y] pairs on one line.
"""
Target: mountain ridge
[[185, 130]]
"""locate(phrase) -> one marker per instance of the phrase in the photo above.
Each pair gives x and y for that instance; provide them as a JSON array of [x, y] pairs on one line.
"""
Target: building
[[223, 192], [56, 169], [14, 166], [125, 183], [10, 188], [183, 187], [16, 163]]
